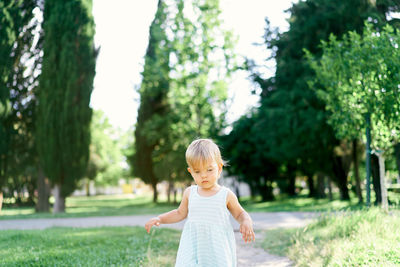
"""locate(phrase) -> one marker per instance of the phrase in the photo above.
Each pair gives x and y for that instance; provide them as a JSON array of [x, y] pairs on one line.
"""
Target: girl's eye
[[210, 170]]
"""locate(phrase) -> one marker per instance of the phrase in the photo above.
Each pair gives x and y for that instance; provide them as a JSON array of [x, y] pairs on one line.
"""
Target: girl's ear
[[220, 167], [189, 170]]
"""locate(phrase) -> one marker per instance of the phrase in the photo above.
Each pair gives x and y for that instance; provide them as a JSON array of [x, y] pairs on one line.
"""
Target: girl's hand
[[246, 229], [153, 221]]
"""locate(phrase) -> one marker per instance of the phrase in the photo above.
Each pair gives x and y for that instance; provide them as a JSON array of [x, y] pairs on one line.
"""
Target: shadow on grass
[[300, 203], [124, 205]]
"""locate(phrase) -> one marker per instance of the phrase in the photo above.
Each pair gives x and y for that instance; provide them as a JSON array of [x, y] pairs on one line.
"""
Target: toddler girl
[[207, 237]]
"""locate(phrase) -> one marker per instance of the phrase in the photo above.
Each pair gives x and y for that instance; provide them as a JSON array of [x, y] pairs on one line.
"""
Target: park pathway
[[249, 255]]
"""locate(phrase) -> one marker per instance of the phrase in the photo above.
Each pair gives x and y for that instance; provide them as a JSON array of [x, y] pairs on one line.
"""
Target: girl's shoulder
[[230, 196], [228, 190], [188, 190]]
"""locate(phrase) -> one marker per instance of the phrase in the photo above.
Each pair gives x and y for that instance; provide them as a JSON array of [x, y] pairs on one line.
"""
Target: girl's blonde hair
[[201, 152]]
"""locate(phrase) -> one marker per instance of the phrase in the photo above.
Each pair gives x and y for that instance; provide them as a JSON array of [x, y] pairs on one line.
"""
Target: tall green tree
[[19, 63], [203, 56], [66, 83], [247, 160], [151, 127], [184, 88], [360, 77], [297, 117]]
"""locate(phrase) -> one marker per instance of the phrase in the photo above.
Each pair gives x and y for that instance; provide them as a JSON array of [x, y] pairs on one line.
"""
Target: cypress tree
[[182, 98], [16, 86], [153, 100], [66, 83]]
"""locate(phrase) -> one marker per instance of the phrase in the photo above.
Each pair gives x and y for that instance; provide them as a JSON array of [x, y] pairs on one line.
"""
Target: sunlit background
[[122, 29]]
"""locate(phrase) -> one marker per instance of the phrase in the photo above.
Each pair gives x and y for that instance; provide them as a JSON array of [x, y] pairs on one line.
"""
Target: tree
[[204, 60], [66, 82], [184, 87], [104, 166], [19, 63], [360, 76], [298, 116], [248, 157], [153, 107]]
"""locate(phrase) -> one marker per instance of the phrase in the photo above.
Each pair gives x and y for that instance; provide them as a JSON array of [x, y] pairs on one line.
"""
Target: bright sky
[[122, 28]]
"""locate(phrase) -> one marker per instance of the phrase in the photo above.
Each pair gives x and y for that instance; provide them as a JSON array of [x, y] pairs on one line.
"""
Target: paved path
[[249, 255], [262, 220]]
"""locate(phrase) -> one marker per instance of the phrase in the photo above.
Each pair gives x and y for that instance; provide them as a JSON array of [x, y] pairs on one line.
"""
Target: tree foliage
[[292, 121], [20, 48], [184, 87], [203, 60], [106, 158], [361, 75], [151, 127], [66, 82]]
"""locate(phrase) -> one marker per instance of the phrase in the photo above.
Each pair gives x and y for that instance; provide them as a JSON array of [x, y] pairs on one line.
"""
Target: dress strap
[[193, 189], [224, 193]]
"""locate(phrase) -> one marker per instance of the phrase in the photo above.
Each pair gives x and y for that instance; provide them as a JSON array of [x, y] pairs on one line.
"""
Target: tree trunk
[[376, 180], [87, 187], [356, 172], [368, 157], [384, 197], [175, 193], [59, 200], [397, 156], [311, 187], [341, 177], [43, 187], [292, 181], [267, 193], [169, 191], [320, 186], [155, 193], [236, 185], [253, 191], [31, 187], [330, 189], [1, 200]]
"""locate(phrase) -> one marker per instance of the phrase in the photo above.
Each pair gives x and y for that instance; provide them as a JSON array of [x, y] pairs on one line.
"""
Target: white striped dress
[[207, 238]]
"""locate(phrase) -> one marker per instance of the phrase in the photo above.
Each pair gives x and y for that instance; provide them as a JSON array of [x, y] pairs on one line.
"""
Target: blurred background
[[101, 98]]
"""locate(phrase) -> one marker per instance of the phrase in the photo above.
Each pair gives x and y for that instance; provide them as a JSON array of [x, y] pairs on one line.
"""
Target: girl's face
[[206, 176]]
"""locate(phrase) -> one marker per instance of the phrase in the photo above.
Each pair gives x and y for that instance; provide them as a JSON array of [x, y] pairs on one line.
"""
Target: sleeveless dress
[[207, 238]]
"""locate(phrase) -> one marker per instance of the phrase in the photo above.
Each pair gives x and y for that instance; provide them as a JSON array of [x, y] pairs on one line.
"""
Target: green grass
[[300, 203], [103, 205], [304, 203], [277, 241], [118, 205], [358, 238], [106, 246]]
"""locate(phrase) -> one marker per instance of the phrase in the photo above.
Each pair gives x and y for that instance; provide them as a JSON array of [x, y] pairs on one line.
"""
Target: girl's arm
[[241, 216], [172, 216]]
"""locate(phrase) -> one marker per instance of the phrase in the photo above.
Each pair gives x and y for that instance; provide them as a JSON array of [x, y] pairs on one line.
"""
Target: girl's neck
[[208, 191]]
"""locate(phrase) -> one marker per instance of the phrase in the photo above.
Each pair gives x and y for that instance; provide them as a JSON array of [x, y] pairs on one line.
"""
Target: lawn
[[358, 238], [119, 205], [304, 203], [106, 246], [102, 205], [343, 238]]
